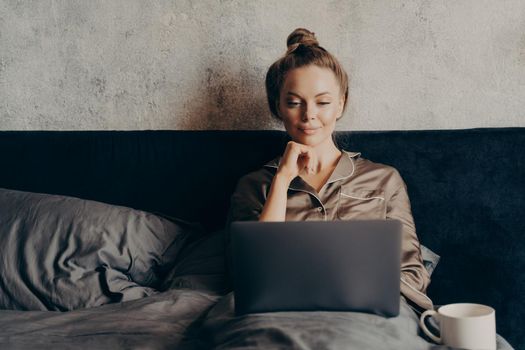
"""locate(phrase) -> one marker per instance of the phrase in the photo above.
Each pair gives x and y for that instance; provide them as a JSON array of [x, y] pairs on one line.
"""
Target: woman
[[307, 90]]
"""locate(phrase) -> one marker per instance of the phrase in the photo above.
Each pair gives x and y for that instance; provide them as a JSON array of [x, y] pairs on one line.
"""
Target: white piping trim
[[347, 153], [272, 165], [353, 169], [347, 195], [417, 291], [301, 190]]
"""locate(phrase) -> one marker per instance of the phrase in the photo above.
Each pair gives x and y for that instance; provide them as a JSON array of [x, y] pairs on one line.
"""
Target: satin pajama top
[[357, 189]]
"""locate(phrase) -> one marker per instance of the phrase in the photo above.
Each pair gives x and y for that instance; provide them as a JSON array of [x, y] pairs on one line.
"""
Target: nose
[[309, 112]]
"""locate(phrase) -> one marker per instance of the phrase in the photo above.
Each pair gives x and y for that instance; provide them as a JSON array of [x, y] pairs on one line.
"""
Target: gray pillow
[[64, 253], [200, 266], [430, 259]]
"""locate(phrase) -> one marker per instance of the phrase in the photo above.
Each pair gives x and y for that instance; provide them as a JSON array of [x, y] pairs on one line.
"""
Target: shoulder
[[376, 174], [256, 179], [249, 195], [257, 182], [366, 165]]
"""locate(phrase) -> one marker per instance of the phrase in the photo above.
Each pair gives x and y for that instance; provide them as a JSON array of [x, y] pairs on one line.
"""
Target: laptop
[[346, 265]]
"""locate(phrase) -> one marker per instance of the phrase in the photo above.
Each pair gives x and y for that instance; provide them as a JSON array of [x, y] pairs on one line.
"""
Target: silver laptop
[[351, 265]]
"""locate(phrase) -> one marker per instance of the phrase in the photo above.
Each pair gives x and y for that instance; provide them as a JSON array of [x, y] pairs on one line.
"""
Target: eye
[[293, 104], [324, 103]]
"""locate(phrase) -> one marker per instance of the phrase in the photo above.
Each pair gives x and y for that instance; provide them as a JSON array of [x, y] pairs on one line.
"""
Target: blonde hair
[[303, 50]]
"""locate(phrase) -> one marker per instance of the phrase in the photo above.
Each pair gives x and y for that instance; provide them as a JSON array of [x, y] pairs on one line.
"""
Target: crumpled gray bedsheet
[[317, 330], [190, 319], [163, 321]]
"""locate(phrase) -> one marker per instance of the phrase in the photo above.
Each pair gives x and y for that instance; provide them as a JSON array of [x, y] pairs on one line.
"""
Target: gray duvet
[[163, 321], [105, 266], [192, 319]]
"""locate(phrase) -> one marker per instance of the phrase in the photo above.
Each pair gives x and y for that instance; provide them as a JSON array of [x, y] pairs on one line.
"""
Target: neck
[[327, 154]]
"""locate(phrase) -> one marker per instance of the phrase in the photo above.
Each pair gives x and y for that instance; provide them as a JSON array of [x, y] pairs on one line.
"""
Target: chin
[[309, 140]]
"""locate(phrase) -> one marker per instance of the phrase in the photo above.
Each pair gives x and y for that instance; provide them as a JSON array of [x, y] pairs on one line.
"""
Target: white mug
[[469, 326]]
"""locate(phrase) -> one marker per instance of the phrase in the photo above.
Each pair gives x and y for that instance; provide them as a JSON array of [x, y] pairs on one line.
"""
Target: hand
[[298, 159]]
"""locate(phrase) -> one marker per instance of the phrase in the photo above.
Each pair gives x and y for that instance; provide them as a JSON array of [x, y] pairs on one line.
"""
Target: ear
[[341, 105]]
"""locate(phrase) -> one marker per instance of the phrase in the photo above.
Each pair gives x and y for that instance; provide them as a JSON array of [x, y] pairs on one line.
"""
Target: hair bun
[[300, 36]]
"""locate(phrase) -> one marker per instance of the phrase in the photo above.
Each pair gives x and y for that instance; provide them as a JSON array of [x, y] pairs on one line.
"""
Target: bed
[[114, 239]]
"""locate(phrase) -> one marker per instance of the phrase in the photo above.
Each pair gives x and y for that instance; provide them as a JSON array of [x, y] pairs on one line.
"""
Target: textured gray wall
[[79, 65]]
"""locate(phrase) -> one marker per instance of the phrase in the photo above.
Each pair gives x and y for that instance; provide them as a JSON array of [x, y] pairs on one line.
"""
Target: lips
[[309, 131]]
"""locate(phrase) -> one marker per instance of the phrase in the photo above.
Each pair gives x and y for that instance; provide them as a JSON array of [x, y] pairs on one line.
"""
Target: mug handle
[[424, 327]]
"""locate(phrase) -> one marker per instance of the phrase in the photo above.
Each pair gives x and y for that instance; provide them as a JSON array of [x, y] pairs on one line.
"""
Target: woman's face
[[309, 104]]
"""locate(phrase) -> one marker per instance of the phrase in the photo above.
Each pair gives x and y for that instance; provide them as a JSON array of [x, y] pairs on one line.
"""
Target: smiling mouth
[[309, 131]]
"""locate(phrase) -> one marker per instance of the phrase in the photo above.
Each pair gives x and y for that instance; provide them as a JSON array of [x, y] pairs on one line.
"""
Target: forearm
[[417, 276], [275, 206], [414, 288]]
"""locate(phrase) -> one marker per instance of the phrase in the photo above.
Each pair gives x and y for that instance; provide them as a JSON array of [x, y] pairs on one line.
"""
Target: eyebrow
[[319, 94]]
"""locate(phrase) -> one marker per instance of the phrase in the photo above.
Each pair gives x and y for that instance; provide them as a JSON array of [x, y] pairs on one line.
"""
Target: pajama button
[[320, 208]]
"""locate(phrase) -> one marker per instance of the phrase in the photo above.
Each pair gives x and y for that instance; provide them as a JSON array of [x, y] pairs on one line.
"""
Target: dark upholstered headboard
[[467, 189]]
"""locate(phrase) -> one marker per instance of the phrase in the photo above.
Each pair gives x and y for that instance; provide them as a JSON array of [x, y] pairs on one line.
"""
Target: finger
[[302, 148], [309, 165], [306, 157], [302, 162], [312, 161]]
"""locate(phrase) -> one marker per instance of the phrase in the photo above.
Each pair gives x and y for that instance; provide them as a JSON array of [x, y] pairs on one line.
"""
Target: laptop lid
[[351, 265]]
